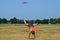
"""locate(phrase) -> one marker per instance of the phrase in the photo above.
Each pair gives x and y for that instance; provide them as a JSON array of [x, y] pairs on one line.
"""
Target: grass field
[[20, 32]]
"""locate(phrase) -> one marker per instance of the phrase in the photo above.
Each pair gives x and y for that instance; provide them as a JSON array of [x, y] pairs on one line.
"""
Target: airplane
[[25, 2]]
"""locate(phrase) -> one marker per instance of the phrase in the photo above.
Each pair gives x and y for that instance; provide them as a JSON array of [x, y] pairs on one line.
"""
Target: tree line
[[39, 21]]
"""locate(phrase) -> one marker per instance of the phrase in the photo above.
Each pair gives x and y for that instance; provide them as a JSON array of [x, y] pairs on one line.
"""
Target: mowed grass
[[20, 32]]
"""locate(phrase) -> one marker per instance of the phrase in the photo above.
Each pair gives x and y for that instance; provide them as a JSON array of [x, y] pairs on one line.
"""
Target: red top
[[31, 27]]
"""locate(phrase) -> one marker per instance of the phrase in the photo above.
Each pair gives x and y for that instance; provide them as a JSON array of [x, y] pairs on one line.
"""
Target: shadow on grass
[[32, 38]]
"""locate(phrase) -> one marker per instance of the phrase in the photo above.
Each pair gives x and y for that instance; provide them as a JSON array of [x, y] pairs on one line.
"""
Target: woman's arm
[[25, 22], [35, 24]]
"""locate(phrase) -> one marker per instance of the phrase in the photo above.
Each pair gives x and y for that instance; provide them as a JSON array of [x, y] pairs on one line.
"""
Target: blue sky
[[34, 9]]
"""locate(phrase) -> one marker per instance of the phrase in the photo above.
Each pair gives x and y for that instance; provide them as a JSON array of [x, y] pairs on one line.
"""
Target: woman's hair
[[31, 22]]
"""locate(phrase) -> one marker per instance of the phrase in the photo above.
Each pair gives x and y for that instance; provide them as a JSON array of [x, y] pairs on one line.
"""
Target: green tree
[[38, 21], [53, 20], [13, 20], [59, 20], [0, 20], [45, 21], [21, 22], [4, 20]]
